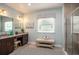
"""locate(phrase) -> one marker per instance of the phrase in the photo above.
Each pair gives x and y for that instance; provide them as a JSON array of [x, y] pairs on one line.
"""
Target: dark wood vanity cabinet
[[10, 45], [25, 39], [6, 46], [3, 47]]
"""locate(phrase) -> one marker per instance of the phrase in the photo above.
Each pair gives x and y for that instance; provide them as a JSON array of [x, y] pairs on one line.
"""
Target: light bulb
[[29, 4]]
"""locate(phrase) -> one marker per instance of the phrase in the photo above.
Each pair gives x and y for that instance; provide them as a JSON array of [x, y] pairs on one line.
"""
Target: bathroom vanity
[[8, 27], [7, 42]]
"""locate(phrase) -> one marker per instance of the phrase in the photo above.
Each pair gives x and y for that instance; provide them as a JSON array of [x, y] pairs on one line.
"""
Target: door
[[68, 13], [69, 36], [75, 31]]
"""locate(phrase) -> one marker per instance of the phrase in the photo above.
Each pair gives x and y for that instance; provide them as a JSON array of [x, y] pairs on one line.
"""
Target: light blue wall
[[58, 36]]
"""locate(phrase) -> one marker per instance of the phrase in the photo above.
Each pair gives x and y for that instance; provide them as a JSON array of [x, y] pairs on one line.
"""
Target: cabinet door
[[25, 39], [3, 47], [0, 47], [10, 45], [6, 46]]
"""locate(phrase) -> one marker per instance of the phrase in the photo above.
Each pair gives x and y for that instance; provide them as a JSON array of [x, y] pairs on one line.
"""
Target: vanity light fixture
[[29, 4], [2, 12]]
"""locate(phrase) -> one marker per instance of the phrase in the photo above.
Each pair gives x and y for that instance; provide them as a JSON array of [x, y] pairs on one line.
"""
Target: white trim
[[58, 46], [62, 49], [65, 51]]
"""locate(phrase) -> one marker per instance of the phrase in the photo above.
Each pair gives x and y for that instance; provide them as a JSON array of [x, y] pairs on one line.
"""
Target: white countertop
[[12, 36]]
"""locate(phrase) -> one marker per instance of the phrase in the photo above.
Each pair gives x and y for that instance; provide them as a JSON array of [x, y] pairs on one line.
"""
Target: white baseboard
[[58, 46], [65, 51], [62, 49]]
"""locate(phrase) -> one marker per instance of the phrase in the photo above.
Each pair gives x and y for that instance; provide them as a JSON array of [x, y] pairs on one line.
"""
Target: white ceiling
[[24, 8]]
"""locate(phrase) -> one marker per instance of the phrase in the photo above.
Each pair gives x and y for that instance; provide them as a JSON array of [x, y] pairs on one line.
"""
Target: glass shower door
[[75, 31]]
